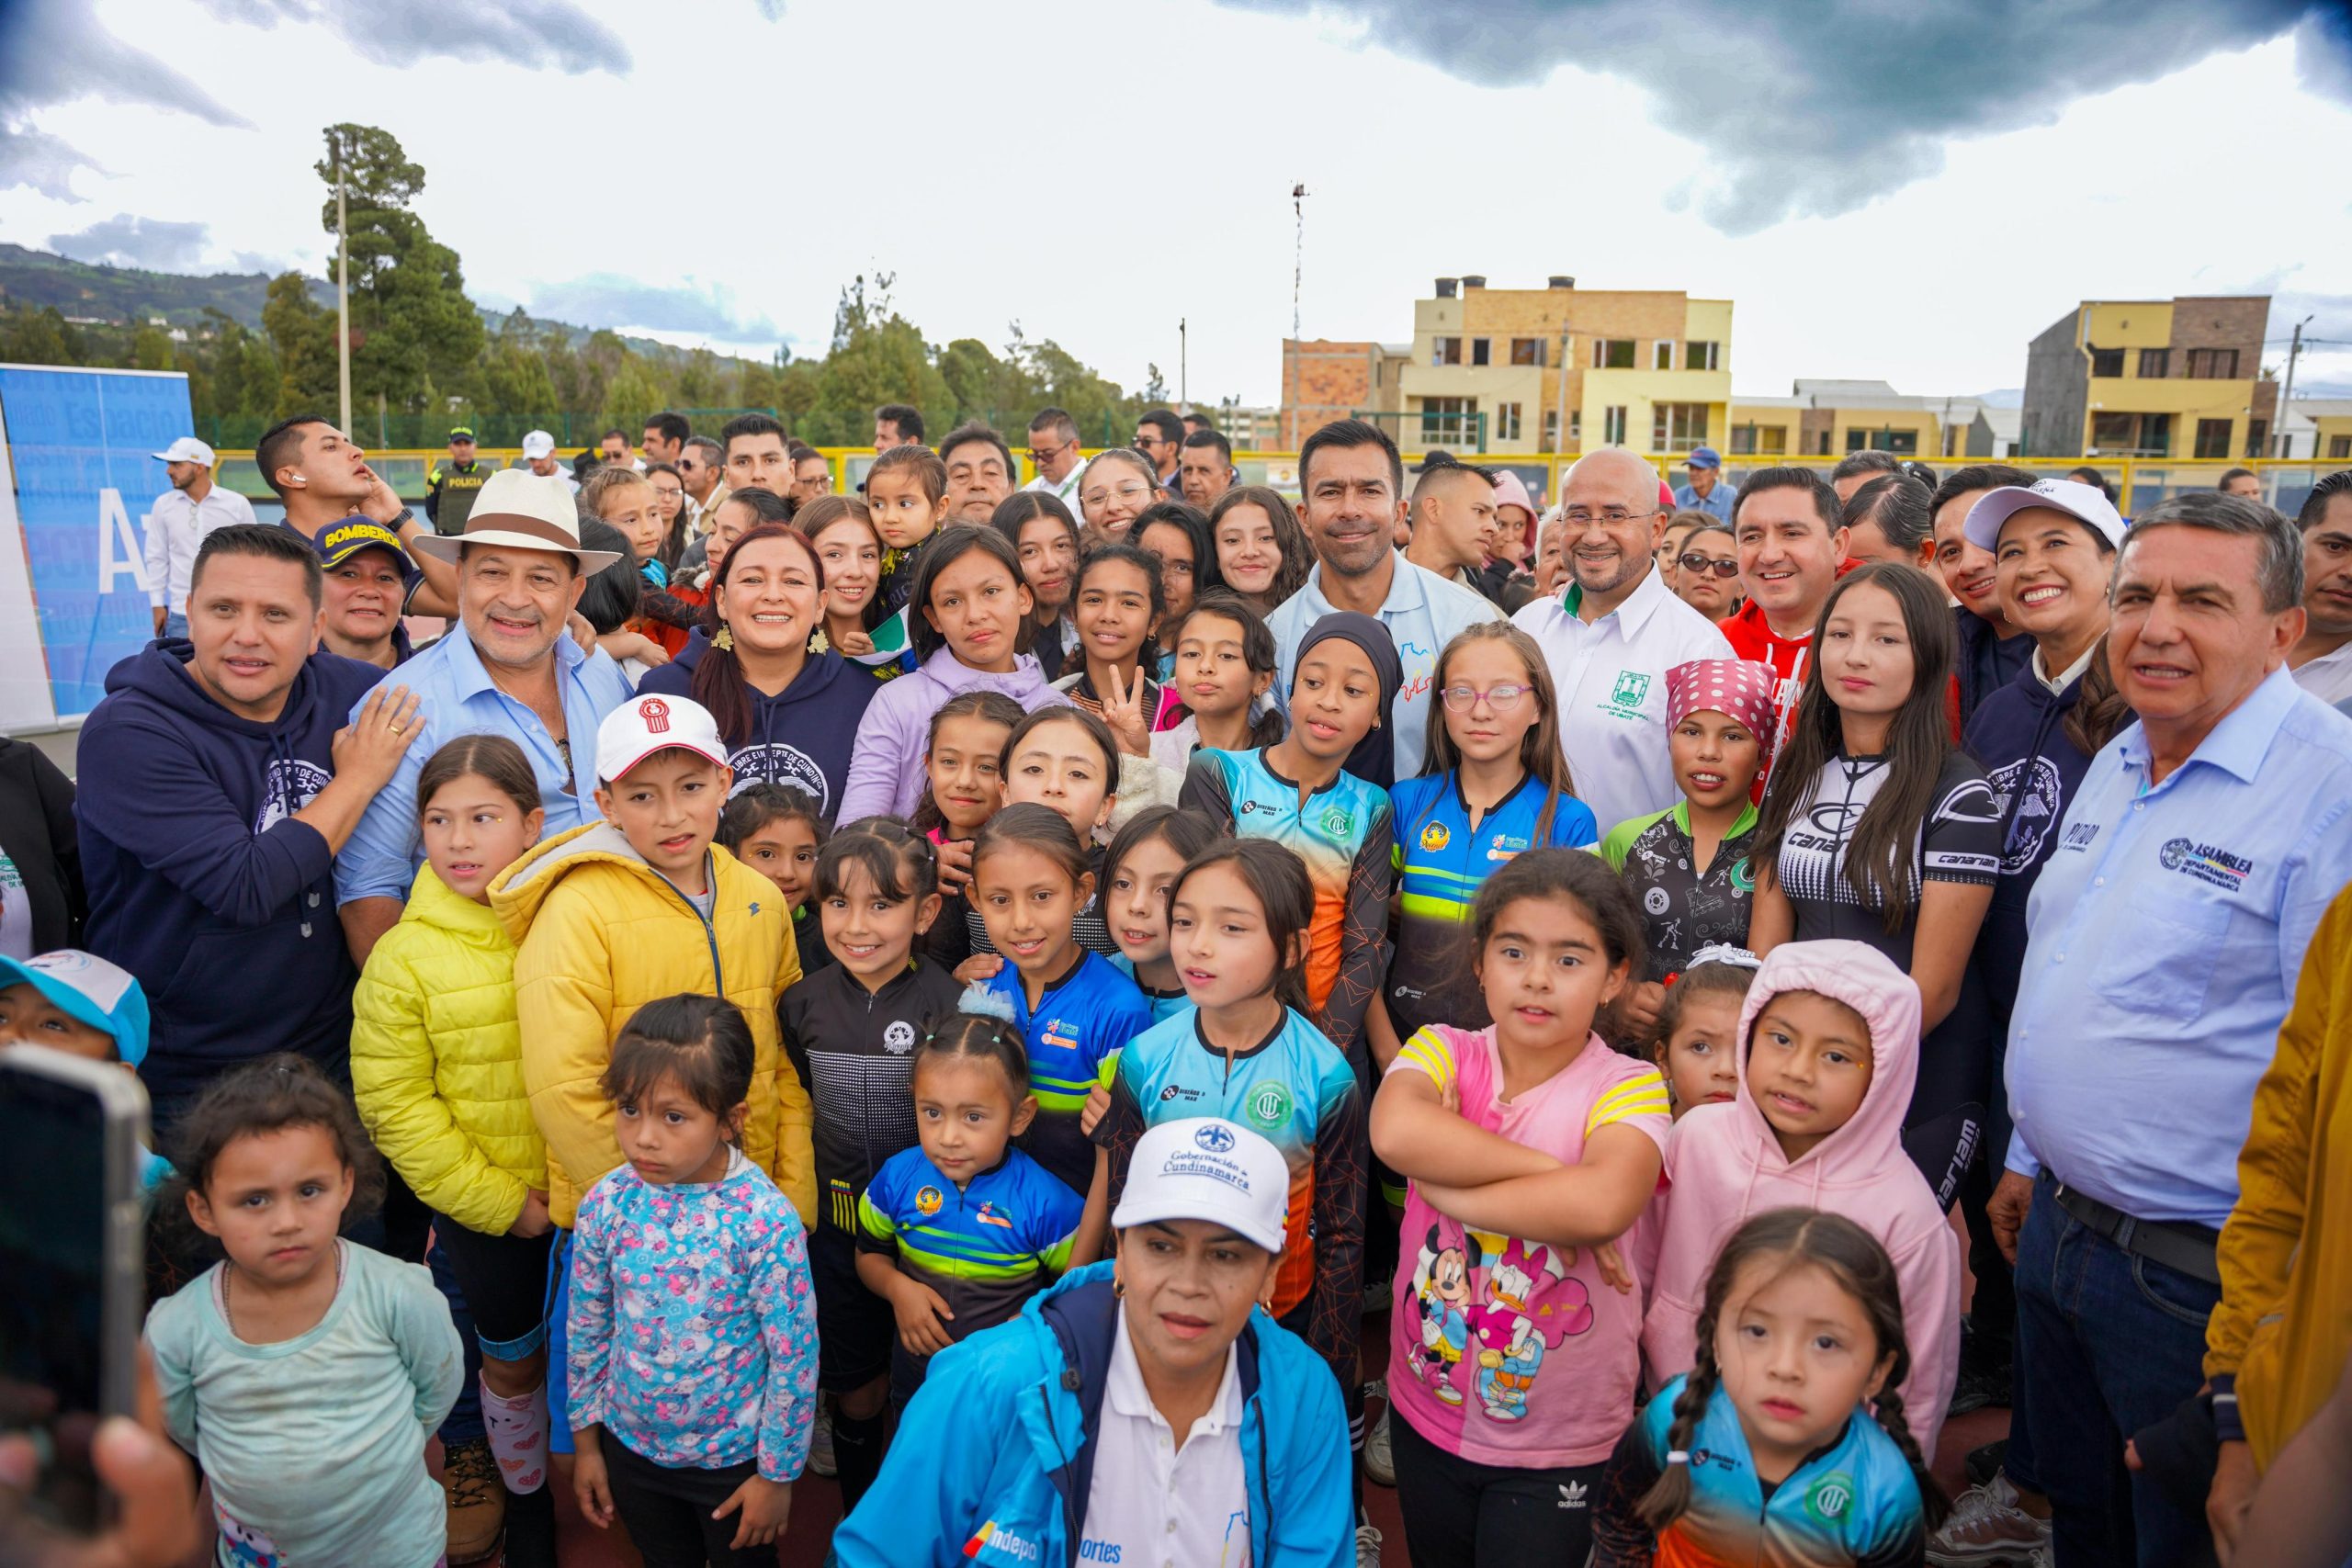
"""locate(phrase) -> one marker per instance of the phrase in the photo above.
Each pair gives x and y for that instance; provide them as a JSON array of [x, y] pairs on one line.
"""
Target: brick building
[[2151, 379]]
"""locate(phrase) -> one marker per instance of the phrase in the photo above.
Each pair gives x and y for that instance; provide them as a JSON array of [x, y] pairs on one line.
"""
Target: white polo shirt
[[1153, 1505], [1611, 676], [176, 526], [1065, 492]]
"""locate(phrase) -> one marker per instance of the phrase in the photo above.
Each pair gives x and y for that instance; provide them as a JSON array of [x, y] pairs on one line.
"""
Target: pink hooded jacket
[[1725, 1165]]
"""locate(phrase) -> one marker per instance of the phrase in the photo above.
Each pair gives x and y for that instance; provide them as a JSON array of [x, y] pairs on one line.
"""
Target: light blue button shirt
[[2168, 928], [1716, 503], [1423, 612], [456, 697]]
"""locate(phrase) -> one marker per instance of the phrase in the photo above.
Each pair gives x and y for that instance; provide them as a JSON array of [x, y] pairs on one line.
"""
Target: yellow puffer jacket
[[2284, 1324], [436, 1060], [599, 934]]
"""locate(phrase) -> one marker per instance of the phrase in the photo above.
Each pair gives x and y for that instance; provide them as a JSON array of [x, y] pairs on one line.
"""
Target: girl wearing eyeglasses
[[1706, 572], [1495, 783]]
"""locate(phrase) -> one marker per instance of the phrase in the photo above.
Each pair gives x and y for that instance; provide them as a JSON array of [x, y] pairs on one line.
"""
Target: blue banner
[[82, 446]]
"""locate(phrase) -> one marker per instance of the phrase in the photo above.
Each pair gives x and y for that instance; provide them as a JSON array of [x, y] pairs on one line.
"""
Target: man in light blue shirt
[[2166, 934], [510, 668], [1706, 492], [1353, 484]]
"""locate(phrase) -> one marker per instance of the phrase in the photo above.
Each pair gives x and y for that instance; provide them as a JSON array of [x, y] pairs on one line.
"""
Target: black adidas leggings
[[1461, 1513]]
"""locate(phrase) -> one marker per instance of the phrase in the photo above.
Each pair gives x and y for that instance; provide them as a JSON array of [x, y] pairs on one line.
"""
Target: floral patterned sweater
[[692, 1321]]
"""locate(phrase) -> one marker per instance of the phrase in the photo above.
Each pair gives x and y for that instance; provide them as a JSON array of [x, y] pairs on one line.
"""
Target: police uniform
[[449, 492]]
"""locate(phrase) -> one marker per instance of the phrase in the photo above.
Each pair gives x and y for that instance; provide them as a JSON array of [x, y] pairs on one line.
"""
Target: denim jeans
[[2109, 1342], [175, 625]]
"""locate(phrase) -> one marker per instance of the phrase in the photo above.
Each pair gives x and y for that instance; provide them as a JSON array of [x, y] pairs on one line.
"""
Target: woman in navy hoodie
[[788, 716], [218, 782]]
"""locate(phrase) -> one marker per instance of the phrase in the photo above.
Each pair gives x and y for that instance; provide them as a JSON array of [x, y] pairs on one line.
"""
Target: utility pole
[[1298, 254], [2287, 393], [1183, 379], [1560, 412], [342, 293]]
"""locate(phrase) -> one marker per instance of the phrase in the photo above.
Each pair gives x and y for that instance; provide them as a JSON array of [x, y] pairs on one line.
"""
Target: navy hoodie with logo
[[201, 882], [801, 737]]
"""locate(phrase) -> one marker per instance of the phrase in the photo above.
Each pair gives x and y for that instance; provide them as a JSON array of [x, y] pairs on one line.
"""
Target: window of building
[[1507, 421], [2134, 434], [2213, 436], [1612, 425], [1576, 430], [1551, 429], [1481, 351], [1822, 449], [1446, 351], [1527, 351], [1702, 355], [1662, 354], [1678, 427], [1448, 421], [1772, 441], [2214, 365], [2155, 364], [2339, 446], [2107, 362], [2257, 434], [1612, 354]]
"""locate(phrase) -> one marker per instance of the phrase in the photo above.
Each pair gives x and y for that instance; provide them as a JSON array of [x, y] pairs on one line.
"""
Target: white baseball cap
[[539, 443], [643, 726], [186, 449], [1203, 1169], [2086, 502]]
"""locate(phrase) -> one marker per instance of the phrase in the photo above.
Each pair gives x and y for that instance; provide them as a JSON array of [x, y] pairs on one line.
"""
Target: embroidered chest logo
[[2206, 864], [927, 1202], [989, 1217], [899, 1037], [1435, 837], [1629, 695], [1830, 1496], [1339, 824], [1269, 1104]]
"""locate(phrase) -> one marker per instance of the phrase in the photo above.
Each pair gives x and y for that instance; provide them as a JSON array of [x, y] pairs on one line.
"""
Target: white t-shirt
[[2328, 677], [1153, 1505]]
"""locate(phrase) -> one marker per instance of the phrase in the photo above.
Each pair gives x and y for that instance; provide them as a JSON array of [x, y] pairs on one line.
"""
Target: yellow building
[[2330, 421], [2151, 379], [1565, 370], [1831, 418]]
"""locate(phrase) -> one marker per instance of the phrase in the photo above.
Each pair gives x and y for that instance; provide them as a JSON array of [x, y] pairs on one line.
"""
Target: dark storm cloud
[[1813, 107], [124, 240], [624, 302]]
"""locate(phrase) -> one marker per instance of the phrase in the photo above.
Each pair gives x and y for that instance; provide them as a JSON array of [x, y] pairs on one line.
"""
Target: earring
[[1118, 1287], [724, 640]]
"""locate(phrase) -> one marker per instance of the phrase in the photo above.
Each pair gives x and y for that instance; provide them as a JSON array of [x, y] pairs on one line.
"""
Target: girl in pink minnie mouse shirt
[[1529, 1144], [693, 1324]]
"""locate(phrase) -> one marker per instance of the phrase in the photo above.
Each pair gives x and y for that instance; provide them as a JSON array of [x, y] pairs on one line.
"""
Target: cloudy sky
[[1905, 193]]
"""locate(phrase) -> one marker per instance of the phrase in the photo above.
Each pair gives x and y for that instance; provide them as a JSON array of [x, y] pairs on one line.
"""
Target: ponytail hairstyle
[[717, 684], [901, 861], [970, 703], [1277, 878], [1880, 851], [979, 1027], [493, 758], [930, 471], [1790, 1239], [1120, 551], [268, 1095], [1029, 826], [1539, 749], [1580, 878], [701, 1043], [942, 550]]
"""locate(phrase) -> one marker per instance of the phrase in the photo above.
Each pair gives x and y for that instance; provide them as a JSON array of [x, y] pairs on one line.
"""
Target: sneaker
[[1985, 1464], [530, 1531], [1367, 1546], [1987, 1526], [1978, 1387], [1379, 1459], [476, 1499], [821, 1443]]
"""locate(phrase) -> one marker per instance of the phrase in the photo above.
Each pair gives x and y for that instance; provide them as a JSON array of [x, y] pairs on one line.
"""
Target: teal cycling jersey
[[1341, 833], [1442, 860], [1080, 1018]]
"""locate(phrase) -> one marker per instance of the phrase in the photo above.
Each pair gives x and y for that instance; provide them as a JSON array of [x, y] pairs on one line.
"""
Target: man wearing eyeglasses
[[1611, 634], [1053, 452]]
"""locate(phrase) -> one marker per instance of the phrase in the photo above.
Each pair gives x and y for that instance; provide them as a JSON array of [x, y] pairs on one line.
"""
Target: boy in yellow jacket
[[622, 912]]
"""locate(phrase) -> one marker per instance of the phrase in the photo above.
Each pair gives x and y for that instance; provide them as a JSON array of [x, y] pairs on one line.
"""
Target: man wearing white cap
[[1148, 1403], [177, 522], [509, 668], [538, 455]]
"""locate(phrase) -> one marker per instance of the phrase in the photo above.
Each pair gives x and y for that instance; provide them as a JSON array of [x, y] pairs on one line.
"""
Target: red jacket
[[1752, 636]]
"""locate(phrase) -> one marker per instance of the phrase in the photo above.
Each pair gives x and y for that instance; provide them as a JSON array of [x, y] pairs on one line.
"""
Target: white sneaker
[[1986, 1526], [821, 1443], [1379, 1459], [1367, 1546]]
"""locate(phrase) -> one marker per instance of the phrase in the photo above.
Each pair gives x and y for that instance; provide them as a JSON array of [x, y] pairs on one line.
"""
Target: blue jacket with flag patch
[[994, 1460]]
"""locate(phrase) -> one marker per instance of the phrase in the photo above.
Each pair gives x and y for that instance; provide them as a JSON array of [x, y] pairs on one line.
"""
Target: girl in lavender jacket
[[966, 616]]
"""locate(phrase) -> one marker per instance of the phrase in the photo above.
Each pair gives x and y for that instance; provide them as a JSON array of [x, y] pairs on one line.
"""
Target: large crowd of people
[[1001, 995]]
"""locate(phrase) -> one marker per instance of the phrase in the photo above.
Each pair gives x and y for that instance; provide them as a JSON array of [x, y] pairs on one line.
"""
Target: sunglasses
[[1691, 560]]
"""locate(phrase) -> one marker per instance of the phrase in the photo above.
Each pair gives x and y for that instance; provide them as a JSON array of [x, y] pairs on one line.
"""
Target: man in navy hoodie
[[218, 780]]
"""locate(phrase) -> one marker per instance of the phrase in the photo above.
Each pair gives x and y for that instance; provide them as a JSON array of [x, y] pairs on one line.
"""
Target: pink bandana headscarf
[[1740, 689]]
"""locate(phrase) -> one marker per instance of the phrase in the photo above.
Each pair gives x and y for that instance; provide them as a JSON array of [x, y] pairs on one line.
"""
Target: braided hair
[[1795, 1239]]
